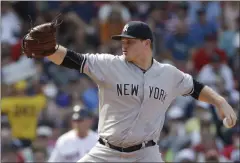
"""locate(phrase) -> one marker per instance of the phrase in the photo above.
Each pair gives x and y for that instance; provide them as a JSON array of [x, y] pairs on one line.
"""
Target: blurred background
[[200, 38]]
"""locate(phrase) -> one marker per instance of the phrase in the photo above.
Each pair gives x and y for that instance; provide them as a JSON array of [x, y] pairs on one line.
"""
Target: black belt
[[128, 149]]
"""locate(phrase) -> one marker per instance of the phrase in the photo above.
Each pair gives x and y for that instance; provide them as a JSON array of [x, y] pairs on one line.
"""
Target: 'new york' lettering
[[127, 89], [157, 93], [132, 90]]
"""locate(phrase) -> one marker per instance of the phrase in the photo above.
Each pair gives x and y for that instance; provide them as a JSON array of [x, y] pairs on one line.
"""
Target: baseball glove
[[41, 40]]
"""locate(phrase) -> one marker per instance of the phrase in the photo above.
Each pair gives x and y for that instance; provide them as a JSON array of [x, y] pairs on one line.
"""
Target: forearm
[[224, 109], [68, 58], [58, 56], [210, 96]]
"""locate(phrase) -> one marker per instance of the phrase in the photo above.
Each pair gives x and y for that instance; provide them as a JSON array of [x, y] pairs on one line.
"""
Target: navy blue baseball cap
[[80, 113], [136, 30]]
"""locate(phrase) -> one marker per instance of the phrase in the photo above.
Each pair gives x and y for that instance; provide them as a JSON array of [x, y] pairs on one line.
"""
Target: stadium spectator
[[213, 10], [157, 22], [221, 75], [202, 56], [72, 146], [202, 27], [10, 24], [180, 45], [23, 112], [230, 151], [230, 14], [112, 18]]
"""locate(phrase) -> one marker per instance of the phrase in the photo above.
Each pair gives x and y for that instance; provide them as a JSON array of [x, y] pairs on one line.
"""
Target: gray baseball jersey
[[132, 103]]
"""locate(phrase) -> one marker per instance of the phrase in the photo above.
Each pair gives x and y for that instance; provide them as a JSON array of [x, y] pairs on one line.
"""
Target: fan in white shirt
[[74, 144], [219, 76]]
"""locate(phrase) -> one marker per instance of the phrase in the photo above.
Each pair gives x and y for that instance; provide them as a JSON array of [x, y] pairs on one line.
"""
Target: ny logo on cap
[[125, 28]]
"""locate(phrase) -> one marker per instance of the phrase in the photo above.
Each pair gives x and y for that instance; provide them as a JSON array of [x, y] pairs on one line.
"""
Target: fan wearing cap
[[74, 144], [135, 91]]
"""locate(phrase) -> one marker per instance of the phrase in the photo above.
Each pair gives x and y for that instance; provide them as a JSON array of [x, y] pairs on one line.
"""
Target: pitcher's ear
[[148, 42]]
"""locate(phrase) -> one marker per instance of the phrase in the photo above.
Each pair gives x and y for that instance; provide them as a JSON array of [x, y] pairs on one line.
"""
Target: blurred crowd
[[37, 97]]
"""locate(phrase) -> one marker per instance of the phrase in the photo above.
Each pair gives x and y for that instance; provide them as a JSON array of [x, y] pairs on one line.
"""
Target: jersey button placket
[[144, 92]]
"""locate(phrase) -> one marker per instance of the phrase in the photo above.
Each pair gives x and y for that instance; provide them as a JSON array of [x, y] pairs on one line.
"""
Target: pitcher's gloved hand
[[41, 40]]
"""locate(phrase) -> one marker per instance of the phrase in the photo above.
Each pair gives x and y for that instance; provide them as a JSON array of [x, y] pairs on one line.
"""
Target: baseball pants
[[101, 153]]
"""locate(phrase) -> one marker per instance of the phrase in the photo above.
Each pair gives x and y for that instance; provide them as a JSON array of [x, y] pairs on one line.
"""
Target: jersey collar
[[144, 71]]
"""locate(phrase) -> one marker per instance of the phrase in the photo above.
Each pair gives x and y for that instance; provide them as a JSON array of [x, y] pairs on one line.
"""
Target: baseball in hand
[[225, 122]]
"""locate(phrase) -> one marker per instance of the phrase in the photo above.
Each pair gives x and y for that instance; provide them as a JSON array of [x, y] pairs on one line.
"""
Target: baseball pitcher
[[135, 91]]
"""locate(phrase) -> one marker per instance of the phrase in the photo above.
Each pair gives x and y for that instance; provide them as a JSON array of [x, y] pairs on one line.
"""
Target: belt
[[128, 149]]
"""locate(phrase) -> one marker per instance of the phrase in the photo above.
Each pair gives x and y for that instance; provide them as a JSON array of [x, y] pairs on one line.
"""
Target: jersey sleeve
[[97, 65], [183, 83]]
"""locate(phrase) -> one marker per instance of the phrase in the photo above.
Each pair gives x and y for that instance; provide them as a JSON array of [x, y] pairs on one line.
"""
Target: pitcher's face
[[132, 48]]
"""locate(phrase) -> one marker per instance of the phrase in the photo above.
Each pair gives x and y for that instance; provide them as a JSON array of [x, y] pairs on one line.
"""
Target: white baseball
[[226, 123]]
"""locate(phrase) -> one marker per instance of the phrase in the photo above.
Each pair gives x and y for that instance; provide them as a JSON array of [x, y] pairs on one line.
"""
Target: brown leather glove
[[41, 40]]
